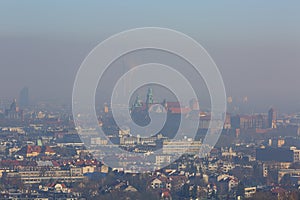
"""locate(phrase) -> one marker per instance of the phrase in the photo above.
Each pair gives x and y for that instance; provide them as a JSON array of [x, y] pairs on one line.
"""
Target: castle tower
[[137, 103], [13, 106], [149, 100]]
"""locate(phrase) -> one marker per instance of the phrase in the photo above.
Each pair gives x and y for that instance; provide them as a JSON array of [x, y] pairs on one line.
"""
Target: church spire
[[149, 97]]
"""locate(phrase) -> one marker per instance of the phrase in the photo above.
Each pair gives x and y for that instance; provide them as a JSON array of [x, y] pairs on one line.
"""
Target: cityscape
[[42, 156], [149, 100]]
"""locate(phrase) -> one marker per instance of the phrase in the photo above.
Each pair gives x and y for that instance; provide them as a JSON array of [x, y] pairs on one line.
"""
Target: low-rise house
[[160, 182], [249, 192]]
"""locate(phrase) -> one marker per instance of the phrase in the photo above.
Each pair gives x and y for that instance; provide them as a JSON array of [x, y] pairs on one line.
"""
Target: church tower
[[149, 100]]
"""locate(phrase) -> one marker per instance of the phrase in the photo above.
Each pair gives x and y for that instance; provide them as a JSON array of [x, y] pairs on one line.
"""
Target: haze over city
[[255, 44], [152, 100]]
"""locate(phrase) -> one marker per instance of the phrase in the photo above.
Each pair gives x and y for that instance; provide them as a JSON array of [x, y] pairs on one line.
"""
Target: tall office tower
[[272, 118], [106, 109], [194, 104], [24, 97]]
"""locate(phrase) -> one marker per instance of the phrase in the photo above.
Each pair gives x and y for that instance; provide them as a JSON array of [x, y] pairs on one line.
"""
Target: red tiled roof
[[55, 164], [49, 150], [173, 104], [166, 193], [176, 110], [31, 149], [14, 163], [278, 190]]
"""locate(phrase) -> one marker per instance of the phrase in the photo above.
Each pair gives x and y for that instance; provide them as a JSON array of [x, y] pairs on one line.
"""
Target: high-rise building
[[106, 109], [272, 118], [24, 97], [194, 104]]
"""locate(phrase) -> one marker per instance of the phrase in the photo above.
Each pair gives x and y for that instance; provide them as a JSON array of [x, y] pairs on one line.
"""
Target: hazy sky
[[256, 44]]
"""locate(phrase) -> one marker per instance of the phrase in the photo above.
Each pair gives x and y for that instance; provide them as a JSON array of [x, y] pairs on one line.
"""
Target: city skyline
[[152, 100]]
